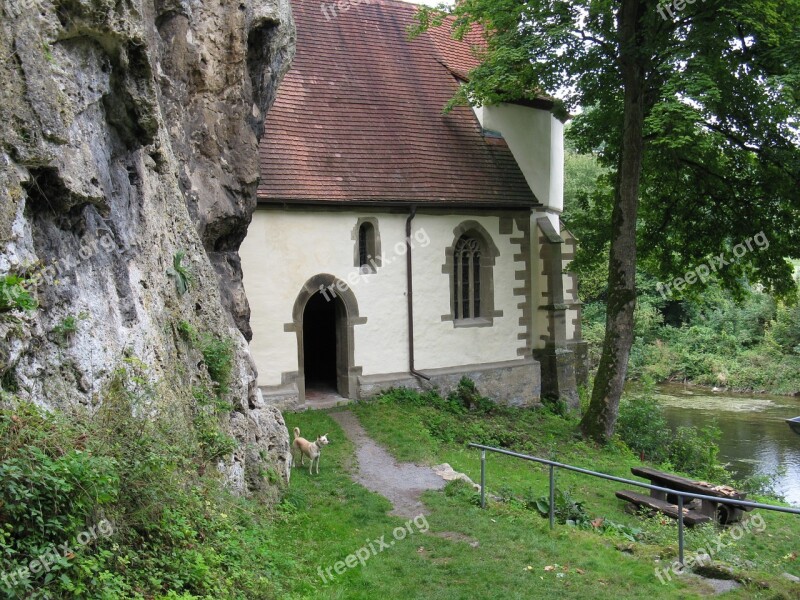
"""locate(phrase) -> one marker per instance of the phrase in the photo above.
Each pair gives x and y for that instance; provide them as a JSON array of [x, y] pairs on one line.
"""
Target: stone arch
[[347, 317]]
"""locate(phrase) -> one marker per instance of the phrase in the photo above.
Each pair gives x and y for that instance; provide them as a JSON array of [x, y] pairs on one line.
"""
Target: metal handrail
[[553, 465]]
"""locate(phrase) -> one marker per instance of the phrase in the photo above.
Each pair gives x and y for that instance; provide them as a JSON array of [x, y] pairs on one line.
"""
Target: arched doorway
[[323, 318], [321, 362]]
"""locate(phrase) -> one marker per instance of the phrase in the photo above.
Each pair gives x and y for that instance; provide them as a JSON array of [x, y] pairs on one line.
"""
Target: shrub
[[567, 509], [643, 427], [53, 487], [217, 354], [467, 396], [449, 420], [218, 357], [68, 326], [214, 443], [14, 296], [694, 450], [176, 532]]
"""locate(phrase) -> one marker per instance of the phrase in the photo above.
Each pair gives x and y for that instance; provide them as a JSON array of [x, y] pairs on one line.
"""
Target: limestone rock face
[[129, 133]]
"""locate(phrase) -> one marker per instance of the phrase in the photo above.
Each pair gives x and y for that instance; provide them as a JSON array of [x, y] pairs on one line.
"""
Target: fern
[[183, 276]]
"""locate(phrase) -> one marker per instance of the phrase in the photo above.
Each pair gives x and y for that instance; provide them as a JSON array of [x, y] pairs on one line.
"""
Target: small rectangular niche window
[[367, 255]]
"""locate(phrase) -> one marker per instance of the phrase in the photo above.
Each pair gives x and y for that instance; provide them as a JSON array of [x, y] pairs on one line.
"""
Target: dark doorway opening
[[319, 342]]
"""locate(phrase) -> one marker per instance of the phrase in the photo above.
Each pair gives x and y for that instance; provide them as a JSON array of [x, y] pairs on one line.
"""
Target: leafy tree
[[693, 110]]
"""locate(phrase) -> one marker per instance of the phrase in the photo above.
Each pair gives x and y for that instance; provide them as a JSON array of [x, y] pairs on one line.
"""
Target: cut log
[[690, 517]]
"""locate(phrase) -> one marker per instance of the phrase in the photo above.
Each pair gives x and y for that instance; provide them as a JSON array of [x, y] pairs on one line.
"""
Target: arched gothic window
[[467, 278]]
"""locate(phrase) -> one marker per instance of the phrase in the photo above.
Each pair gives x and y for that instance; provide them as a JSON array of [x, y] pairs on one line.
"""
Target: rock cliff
[[128, 135]]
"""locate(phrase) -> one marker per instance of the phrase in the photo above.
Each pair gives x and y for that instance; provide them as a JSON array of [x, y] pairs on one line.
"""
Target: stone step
[[321, 404]]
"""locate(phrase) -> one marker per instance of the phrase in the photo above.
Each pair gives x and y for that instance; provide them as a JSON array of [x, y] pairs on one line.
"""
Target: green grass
[[179, 533], [334, 517]]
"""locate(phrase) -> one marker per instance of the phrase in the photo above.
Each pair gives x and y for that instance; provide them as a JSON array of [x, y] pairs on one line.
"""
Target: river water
[[755, 436]]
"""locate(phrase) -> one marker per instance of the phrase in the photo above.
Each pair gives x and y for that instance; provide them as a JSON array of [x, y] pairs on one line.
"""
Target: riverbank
[[715, 389], [750, 347]]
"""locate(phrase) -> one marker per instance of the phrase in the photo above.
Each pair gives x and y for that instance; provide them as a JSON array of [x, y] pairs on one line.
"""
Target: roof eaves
[[483, 205]]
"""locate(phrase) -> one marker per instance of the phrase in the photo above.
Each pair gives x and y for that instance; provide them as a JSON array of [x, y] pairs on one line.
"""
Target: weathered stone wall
[[511, 383], [129, 132]]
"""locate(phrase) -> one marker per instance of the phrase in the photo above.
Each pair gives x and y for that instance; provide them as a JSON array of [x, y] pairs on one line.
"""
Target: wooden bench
[[722, 513], [690, 517]]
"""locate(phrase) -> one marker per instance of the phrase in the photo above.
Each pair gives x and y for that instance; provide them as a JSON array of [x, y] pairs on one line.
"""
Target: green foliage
[[467, 396], [462, 418], [53, 487], [187, 331], [567, 509], [178, 532], [214, 443], [715, 339], [555, 405], [182, 274], [68, 326], [218, 358], [643, 427], [217, 354], [694, 450], [14, 296]]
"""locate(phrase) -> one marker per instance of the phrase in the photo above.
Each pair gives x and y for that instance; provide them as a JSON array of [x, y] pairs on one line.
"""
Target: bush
[[217, 354], [466, 396], [177, 531], [643, 427], [14, 296], [695, 451], [461, 418], [567, 510], [218, 357]]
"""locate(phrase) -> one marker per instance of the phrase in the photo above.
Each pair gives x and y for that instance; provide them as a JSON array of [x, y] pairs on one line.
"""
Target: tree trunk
[[601, 417]]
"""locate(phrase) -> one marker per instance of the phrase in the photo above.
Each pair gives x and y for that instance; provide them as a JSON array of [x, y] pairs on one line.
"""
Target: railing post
[[552, 497], [483, 478], [680, 529]]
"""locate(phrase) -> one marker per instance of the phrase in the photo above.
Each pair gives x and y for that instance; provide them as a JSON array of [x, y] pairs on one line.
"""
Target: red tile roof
[[358, 118]]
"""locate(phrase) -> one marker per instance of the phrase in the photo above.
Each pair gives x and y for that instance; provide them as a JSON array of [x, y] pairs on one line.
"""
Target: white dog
[[310, 449]]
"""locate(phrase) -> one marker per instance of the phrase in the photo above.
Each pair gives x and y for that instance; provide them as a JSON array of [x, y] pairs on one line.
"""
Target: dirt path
[[378, 471]]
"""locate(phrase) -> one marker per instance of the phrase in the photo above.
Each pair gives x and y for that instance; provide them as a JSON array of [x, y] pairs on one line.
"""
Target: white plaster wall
[[571, 315], [283, 250], [536, 139], [439, 343]]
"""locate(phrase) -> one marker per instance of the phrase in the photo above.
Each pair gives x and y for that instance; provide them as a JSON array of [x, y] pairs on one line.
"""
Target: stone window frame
[[489, 254], [373, 246]]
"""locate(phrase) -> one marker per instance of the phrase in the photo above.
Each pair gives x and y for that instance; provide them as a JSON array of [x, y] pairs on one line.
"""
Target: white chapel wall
[[284, 249]]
